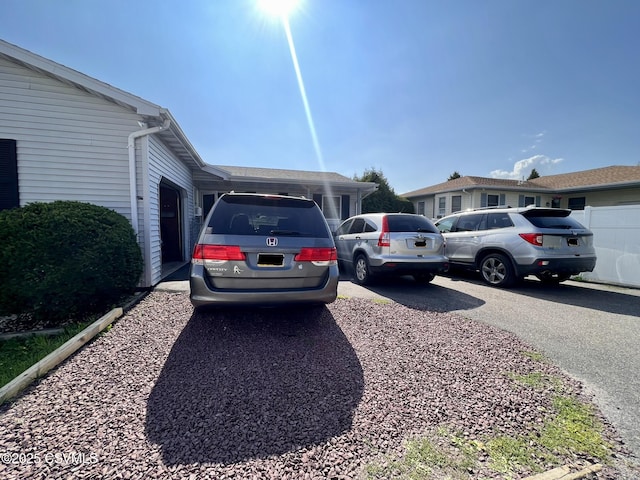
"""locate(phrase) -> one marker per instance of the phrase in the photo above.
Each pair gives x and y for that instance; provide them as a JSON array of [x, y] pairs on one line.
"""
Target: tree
[[534, 174], [384, 199], [453, 176]]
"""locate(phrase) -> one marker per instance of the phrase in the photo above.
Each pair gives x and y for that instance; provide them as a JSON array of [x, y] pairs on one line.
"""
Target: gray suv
[[507, 244], [390, 244], [264, 250]]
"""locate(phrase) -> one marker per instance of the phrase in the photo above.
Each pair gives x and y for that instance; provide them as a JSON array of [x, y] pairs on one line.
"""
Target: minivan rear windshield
[[410, 223], [270, 216]]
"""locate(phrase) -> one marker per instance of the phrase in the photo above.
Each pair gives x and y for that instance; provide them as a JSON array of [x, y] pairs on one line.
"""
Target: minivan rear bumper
[[567, 265], [201, 294]]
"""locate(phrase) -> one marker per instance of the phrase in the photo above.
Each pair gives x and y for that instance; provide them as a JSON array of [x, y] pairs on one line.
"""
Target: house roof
[[473, 182], [303, 176], [615, 175], [151, 113], [605, 177]]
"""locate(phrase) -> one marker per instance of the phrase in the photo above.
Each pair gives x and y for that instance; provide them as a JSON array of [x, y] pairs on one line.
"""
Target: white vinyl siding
[[163, 164], [71, 145]]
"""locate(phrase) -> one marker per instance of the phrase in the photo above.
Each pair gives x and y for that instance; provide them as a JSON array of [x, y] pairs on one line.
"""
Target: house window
[[577, 203], [420, 208], [456, 203], [529, 201], [331, 207], [493, 200], [442, 207], [9, 195]]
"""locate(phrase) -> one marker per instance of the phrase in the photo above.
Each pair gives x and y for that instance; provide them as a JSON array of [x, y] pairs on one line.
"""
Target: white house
[[67, 136]]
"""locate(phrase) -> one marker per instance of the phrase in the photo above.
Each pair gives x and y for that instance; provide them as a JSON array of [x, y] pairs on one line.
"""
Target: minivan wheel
[[361, 270], [552, 279], [496, 270]]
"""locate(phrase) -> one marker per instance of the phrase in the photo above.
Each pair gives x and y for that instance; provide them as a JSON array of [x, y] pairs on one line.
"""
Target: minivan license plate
[[270, 260]]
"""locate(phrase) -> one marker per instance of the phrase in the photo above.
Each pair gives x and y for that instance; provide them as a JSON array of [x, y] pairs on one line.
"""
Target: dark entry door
[[170, 222]]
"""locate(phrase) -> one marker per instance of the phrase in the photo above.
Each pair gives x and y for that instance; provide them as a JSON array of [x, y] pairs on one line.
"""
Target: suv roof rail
[[488, 208]]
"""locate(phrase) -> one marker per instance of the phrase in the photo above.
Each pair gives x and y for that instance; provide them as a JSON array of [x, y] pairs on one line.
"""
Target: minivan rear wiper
[[284, 232]]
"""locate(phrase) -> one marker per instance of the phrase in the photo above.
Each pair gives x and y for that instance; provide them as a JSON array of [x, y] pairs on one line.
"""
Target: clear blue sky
[[415, 88]]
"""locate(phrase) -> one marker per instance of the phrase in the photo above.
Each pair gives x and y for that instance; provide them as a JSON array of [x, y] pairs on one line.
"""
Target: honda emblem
[[272, 241]]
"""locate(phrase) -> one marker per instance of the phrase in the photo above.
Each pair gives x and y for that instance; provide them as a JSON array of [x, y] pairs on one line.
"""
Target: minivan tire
[[496, 270], [361, 273]]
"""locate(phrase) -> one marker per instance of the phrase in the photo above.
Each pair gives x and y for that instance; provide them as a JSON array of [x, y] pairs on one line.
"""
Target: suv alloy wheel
[[361, 267], [496, 270]]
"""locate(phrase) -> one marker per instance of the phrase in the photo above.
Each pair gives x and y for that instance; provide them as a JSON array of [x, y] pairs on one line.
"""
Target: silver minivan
[[507, 244], [374, 244], [259, 249]]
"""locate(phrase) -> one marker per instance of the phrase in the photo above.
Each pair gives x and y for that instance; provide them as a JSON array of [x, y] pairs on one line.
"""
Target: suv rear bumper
[[570, 265], [409, 268]]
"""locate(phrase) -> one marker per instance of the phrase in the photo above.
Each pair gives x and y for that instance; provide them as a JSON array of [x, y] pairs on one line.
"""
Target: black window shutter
[[521, 200], [345, 207], [9, 197], [502, 199], [483, 200]]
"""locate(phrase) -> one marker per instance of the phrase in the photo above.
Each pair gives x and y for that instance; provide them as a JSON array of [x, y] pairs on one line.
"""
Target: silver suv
[[507, 244], [264, 249], [390, 244]]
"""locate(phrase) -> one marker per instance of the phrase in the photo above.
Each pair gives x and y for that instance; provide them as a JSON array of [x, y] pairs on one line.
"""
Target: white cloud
[[522, 168]]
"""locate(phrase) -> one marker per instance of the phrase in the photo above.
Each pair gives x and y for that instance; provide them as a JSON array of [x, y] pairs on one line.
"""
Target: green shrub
[[65, 259]]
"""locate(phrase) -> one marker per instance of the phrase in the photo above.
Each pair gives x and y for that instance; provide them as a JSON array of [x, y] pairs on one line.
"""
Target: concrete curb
[[52, 360]]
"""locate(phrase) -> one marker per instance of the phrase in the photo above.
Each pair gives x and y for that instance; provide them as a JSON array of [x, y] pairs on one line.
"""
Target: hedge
[[65, 259]]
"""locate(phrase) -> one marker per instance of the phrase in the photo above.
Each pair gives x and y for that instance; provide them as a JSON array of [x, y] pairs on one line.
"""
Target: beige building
[[607, 186]]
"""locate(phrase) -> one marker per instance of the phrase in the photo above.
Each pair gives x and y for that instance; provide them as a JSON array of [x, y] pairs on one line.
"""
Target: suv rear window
[[552, 219], [254, 215], [410, 223]]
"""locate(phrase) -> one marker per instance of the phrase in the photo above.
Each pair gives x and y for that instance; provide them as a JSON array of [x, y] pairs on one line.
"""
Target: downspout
[[131, 146]]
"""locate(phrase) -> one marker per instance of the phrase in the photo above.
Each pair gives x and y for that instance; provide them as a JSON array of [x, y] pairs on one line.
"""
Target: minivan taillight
[[217, 253], [320, 256], [385, 237], [533, 238]]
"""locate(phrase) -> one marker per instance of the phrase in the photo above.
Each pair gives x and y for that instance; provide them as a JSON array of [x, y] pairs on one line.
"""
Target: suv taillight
[[318, 256], [203, 252], [385, 237], [533, 238]]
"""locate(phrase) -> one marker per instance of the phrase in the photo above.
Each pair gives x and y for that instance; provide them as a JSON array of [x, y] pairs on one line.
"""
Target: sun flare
[[279, 8]]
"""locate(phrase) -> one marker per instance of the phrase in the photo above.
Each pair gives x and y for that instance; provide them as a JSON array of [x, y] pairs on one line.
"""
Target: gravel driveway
[[276, 393]]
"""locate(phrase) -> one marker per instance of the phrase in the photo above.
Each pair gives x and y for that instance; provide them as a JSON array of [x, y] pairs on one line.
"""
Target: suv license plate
[[573, 242]]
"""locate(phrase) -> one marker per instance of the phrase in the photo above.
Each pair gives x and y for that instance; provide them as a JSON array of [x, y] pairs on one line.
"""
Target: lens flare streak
[[303, 93]]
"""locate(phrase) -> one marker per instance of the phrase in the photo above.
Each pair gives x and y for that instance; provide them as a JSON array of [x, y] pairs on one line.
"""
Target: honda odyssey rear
[[263, 250]]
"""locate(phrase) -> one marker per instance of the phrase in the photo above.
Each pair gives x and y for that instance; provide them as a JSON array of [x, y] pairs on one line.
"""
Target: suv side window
[[498, 220], [344, 228], [446, 225], [357, 226], [471, 223], [369, 227]]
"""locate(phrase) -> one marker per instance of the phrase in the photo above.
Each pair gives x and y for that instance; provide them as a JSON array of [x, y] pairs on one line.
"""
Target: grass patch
[[424, 459], [572, 431], [535, 356], [18, 354], [382, 301], [537, 380], [575, 430]]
